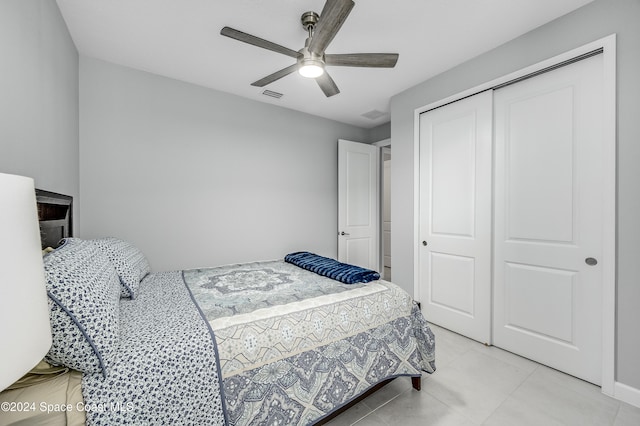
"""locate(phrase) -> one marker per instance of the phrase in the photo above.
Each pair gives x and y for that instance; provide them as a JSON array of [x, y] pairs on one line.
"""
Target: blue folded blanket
[[343, 272]]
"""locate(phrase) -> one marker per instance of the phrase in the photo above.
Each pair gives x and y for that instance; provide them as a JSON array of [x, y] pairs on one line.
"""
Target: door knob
[[591, 261], [424, 243], [344, 233]]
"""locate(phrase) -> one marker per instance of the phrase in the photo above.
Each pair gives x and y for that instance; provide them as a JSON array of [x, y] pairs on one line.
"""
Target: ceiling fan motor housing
[[309, 20], [311, 59]]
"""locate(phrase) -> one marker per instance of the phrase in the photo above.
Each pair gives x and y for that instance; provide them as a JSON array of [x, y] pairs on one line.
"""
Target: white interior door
[[548, 218], [358, 204], [455, 216]]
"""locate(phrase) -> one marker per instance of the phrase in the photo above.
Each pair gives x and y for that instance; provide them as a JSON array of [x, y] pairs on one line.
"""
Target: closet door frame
[[608, 47]]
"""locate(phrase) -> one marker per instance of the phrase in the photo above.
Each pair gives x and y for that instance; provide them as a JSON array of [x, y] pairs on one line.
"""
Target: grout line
[[617, 414], [373, 410], [510, 395]]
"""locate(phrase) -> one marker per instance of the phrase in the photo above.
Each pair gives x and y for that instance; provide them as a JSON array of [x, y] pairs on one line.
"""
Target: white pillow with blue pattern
[[131, 265], [84, 306]]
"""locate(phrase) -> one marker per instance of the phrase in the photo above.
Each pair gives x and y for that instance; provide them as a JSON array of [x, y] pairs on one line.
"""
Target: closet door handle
[[591, 261], [344, 233]]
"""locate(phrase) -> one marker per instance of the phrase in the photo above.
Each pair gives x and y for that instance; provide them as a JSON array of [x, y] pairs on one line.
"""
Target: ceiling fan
[[311, 59]]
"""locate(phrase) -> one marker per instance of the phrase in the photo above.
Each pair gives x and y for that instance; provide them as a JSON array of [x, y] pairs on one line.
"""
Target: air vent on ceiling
[[272, 94], [374, 114]]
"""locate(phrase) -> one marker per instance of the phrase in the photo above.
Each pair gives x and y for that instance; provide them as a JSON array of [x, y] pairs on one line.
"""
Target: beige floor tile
[[628, 415], [489, 371], [371, 420], [474, 400], [350, 416], [517, 413], [508, 357], [566, 399], [449, 346], [389, 392], [420, 409]]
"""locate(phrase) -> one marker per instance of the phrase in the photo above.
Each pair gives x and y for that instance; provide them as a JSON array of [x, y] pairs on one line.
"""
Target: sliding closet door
[[548, 218], [455, 216]]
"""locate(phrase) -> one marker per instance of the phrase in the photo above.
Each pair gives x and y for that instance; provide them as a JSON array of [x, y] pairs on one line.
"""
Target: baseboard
[[626, 394]]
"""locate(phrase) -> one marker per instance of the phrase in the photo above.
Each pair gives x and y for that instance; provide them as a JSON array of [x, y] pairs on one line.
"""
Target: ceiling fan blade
[[257, 41], [374, 60], [333, 15], [275, 76], [327, 85]]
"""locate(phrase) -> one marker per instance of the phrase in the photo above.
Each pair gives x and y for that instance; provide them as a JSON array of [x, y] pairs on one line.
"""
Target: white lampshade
[[25, 332]]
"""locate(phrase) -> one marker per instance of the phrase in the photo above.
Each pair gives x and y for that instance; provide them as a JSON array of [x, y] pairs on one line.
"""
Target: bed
[[256, 343]]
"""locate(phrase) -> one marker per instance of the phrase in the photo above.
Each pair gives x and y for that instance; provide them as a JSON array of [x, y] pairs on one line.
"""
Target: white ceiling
[[181, 39]]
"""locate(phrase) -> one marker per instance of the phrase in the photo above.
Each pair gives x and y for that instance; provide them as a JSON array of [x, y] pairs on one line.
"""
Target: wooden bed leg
[[416, 383]]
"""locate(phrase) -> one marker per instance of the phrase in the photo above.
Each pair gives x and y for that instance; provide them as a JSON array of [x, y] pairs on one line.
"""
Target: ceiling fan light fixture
[[311, 59], [311, 68]]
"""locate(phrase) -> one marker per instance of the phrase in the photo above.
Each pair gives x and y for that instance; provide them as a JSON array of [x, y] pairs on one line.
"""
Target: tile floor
[[477, 385]]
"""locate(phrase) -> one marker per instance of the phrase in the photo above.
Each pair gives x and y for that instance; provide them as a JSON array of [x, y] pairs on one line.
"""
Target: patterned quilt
[[295, 346], [166, 367]]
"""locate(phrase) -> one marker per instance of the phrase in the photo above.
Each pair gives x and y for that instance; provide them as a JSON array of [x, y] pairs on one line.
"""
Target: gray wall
[[38, 95], [380, 132], [197, 177], [594, 21]]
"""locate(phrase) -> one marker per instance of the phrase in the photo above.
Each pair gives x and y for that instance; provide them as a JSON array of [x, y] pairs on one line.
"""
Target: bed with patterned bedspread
[[294, 346], [254, 343]]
